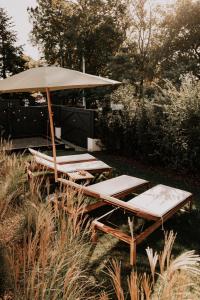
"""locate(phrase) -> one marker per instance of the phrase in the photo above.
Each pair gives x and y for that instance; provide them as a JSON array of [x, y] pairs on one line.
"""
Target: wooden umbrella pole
[[52, 133]]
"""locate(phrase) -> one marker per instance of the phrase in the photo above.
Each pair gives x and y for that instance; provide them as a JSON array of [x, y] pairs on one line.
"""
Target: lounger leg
[[110, 174], [94, 234], [132, 253]]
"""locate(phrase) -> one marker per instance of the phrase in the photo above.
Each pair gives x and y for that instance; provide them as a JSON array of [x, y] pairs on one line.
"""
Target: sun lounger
[[64, 159], [155, 205], [94, 166], [118, 187]]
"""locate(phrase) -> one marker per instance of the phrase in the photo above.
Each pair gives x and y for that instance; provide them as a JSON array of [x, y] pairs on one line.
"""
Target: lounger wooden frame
[[134, 241]]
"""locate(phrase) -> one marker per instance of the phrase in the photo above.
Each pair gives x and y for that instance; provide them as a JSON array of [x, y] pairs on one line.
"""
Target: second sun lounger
[[157, 205]]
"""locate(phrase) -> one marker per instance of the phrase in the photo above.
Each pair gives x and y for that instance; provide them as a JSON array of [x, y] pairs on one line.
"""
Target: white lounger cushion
[[159, 200], [86, 166], [115, 185], [65, 158]]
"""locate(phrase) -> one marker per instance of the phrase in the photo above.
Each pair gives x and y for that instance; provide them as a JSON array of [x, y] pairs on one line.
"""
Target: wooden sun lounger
[[66, 159], [157, 204], [118, 187], [94, 166]]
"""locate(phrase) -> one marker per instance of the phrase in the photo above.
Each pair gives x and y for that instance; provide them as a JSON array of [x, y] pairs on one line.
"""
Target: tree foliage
[[11, 60], [69, 30], [162, 43], [180, 35], [142, 27], [133, 40], [137, 61]]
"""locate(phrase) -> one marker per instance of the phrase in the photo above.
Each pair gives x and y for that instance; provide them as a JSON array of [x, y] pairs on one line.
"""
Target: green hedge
[[165, 129]]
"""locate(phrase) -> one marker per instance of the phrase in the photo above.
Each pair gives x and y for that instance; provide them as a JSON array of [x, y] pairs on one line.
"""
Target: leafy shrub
[[165, 129], [181, 128]]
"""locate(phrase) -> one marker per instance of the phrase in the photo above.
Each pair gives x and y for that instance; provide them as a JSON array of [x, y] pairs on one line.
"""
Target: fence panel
[[76, 124]]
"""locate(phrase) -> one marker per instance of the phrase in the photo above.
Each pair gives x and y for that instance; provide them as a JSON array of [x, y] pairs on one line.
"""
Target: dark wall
[[29, 121]]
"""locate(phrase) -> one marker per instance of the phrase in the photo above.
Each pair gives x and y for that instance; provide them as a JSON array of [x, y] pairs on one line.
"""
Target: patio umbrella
[[51, 78]]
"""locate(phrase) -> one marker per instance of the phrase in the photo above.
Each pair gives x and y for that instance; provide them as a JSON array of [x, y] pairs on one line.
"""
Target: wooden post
[[52, 133]]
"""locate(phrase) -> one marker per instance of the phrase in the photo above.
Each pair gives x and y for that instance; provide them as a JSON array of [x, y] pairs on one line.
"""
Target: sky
[[17, 9]]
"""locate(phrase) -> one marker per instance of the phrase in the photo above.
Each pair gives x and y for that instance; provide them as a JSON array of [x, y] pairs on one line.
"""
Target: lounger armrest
[[81, 188], [40, 154], [32, 151], [72, 184]]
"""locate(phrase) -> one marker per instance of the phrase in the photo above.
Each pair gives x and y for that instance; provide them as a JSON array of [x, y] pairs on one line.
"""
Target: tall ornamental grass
[[51, 261], [169, 278], [45, 249]]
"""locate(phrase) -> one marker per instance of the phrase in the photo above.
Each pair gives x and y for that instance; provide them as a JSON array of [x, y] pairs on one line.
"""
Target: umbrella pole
[[52, 133]]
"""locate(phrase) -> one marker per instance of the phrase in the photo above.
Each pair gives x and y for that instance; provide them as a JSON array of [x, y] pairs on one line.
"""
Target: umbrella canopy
[[53, 78], [46, 79]]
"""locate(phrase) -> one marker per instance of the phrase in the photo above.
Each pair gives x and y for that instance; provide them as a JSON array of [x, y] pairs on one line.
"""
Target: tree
[[143, 29], [122, 65], [11, 60], [136, 60], [181, 40], [68, 30]]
